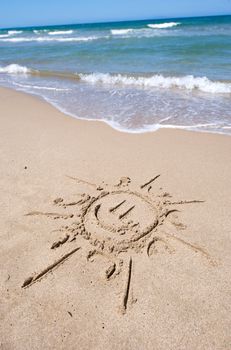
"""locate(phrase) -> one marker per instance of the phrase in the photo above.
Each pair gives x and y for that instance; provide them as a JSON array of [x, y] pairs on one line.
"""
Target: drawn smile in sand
[[118, 222]]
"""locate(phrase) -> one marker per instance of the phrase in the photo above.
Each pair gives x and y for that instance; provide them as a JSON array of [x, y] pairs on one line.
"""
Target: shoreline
[[69, 189], [142, 131]]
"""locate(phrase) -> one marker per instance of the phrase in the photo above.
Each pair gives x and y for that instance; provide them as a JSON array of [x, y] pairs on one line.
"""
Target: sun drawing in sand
[[118, 221]]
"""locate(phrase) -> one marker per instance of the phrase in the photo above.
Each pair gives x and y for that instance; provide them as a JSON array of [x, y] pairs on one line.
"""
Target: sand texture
[[111, 240]]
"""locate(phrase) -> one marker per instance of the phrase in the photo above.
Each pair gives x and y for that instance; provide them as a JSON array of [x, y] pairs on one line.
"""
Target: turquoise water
[[137, 76]]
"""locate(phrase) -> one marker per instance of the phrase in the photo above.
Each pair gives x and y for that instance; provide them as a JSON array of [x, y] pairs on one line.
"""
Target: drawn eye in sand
[[118, 222]]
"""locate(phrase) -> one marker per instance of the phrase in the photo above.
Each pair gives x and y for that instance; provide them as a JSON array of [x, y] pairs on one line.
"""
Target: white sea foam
[[10, 33], [61, 32], [121, 31], [44, 39], [89, 38], [39, 87], [14, 32], [140, 33], [40, 31], [158, 81], [163, 25], [17, 40], [14, 69]]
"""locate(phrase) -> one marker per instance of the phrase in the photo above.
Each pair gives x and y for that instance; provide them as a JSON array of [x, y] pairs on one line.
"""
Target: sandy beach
[[111, 240]]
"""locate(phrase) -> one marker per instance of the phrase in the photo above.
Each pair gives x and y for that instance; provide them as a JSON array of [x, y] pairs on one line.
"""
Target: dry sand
[[97, 250]]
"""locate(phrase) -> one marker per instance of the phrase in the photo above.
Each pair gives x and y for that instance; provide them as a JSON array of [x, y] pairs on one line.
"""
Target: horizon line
[[112, 21]]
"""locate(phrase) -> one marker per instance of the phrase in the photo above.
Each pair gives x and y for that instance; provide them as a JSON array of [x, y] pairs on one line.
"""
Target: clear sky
[[15, 13]]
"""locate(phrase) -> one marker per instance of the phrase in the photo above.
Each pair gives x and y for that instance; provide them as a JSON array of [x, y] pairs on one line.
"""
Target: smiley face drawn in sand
[[121, 217], [118, 222]]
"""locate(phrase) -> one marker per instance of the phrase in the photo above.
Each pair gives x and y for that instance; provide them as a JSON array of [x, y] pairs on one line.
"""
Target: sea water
[[137, 76]]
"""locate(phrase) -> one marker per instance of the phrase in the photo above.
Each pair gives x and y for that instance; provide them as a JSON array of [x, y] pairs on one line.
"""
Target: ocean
[[137, 76]]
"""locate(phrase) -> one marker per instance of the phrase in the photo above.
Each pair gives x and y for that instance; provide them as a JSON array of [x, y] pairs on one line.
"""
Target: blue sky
[[42, 12]]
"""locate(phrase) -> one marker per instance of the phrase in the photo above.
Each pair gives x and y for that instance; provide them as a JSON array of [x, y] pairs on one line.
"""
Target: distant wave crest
[[44, 39], [163, 25], [121, 31], [14, 32], [10, 33], [61, 32], [40, 31], [187, 82]]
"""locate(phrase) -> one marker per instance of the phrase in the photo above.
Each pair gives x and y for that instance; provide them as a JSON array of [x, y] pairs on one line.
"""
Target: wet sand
[[111, 240]]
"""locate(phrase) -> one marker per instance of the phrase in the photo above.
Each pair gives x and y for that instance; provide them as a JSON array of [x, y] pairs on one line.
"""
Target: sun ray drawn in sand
[[117, 221]]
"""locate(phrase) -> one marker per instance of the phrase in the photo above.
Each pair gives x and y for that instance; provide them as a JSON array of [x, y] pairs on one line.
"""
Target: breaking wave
[[121, 31], [188, 82], [40, 31], [159, 81], [10, 33], [61, 32], [14, 32], [163, 25], [15, 69]]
